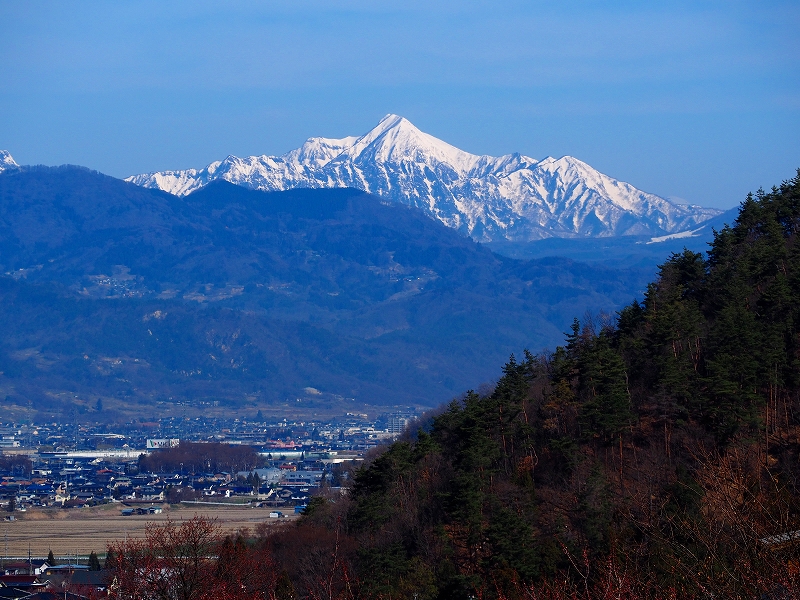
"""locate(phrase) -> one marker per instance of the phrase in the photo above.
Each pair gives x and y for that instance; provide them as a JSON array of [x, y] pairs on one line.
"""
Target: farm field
[[81, 531]]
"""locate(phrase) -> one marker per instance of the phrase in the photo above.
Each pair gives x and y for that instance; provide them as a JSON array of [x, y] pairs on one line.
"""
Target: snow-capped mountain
[[511, 197], [6, 161]]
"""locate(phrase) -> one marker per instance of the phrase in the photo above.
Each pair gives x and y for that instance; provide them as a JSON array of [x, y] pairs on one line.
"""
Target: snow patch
[[676, 236]]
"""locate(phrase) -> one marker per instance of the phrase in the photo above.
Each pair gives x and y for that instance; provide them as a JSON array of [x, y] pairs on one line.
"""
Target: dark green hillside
[[653, 456], [115, 291]]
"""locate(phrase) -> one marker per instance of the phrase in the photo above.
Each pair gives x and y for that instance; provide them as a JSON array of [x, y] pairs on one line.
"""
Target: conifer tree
[[607, 408]]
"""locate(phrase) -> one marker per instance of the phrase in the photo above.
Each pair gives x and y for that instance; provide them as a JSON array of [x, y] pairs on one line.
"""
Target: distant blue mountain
[[314, 297], [622, 252]]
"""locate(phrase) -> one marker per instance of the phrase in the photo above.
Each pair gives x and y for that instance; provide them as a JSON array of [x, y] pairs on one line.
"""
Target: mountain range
[[511, 198], [315, 277], [307, 298]]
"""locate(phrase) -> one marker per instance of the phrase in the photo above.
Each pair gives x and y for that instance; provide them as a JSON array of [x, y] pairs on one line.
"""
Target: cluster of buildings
[[352, 431], [67, 480], [37, 579], [71, 466], [79, 466]]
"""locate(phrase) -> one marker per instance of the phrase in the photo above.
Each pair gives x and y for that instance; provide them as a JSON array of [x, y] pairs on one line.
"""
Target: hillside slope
[[249, 297], [654, 456]]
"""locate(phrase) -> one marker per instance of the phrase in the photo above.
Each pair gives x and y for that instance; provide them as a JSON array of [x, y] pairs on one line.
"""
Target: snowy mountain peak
[[318, 151], [395, 140], [6, 160], [512, 197]]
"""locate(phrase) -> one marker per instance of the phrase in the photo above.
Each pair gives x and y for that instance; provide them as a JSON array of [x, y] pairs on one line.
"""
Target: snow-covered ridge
[[6, 161], [512, 197]]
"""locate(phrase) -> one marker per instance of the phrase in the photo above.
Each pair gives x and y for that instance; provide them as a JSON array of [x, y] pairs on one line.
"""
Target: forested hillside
[[655, 454]]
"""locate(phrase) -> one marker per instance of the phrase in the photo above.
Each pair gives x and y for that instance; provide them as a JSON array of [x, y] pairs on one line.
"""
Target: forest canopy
[[655, 454]]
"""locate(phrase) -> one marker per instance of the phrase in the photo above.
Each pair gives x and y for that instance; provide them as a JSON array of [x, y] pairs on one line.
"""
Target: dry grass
[[82, 531]]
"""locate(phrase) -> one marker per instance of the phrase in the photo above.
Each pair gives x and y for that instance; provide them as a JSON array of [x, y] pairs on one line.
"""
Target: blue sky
[[696, 100]]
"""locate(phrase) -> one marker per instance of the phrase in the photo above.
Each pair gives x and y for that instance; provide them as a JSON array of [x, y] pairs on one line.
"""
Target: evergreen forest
[[656, 454]]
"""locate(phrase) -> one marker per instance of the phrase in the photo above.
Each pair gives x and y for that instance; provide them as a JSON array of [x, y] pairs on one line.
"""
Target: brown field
[[82, 531]]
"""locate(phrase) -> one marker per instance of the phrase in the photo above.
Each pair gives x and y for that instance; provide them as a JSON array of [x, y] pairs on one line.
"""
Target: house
[[41, 492], [91, 580], [86, 498], [24, 567], [62, 493], [12, 593], [302, 478], [30, 583], [62, 569], [265, 493], [781, 540], [121, 482], [151, 493]]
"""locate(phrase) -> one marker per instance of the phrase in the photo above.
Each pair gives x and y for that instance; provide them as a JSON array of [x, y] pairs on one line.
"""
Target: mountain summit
[[512, 197], [7, 161]]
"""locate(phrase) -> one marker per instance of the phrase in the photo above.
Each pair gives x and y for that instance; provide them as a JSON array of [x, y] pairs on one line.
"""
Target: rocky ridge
[[512, 197]]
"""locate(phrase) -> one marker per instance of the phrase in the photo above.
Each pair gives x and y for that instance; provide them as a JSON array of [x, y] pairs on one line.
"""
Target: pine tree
[[604, 388]]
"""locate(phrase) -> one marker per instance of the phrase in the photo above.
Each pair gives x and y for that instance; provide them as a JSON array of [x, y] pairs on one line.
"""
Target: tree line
[[198, 457]]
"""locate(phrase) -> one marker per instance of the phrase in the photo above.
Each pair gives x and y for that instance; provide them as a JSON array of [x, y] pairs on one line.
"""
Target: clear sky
[[697, 100]]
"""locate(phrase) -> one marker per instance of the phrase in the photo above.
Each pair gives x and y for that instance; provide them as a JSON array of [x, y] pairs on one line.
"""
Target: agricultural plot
[[81, 531]]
